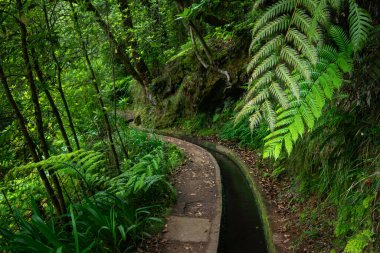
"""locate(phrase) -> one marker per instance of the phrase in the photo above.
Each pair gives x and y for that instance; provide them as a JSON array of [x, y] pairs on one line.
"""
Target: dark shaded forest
[[85, 83]]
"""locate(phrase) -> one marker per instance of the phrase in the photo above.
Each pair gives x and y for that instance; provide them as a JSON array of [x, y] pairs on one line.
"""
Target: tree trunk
[[194, 31], [51, 101], [36, 105], [128, 25], [96, 87], [202, 41], [120, 51], [59, 71], [29, 141]]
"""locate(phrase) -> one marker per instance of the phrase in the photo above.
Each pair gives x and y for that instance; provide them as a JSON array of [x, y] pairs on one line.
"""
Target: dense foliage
[[298, 80]]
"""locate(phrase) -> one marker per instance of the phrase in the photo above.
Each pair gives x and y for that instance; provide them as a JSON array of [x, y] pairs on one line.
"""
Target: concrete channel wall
[[252, 184]]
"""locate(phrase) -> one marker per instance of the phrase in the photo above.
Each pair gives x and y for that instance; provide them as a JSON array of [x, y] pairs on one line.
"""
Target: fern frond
[[265, 51], [255, 119], [284, 122], [283, 74], [259, 83], [292, 57], [303, 45], [309, 5], [278, 132], [288, 143], [270, 114], [335, 75], [307, 115], [276, 90], [316, 100], [298, 124], [281, 7], [265, 65], [340, 38], [275, 26], [320, 15], [301, 20], [273, 147], [247, 109], [263, 95], [287, 113], [327, 52], [326, 85], [360, 26]]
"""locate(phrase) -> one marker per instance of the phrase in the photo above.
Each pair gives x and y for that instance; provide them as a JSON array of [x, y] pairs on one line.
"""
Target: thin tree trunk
[[67, 109], [202, 41], [194, 31], [120, 50], [51, 102], [128, 25], [29, 141], [96, 87], [36, 105], [200, 59], [59, 71], [125, 151]]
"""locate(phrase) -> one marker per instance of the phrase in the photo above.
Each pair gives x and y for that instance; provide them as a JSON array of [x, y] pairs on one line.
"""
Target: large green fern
[[85, 168], [303, 113], [285, 39], [293, 71]]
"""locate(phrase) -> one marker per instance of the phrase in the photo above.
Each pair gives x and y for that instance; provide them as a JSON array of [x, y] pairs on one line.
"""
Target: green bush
[[108, 213]]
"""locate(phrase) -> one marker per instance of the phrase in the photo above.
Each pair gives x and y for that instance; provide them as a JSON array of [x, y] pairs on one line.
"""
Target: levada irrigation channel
[[241, 228]]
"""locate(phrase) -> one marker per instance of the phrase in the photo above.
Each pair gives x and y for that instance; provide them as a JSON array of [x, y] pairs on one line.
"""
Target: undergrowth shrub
[[108, 213], [338, 163], [103, 223], [241, 134]]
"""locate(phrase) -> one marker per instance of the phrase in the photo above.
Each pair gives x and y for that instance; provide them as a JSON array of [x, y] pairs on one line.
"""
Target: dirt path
[[193, 225]]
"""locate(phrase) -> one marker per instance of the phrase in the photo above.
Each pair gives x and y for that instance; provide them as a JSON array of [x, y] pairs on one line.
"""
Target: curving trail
[[194, 223]]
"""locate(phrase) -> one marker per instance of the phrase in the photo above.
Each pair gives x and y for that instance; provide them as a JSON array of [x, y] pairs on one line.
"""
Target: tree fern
[[292, 72], [303, 114]]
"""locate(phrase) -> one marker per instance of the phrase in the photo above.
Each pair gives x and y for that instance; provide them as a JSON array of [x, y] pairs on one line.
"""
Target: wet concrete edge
[[253, 185], [257, 194]]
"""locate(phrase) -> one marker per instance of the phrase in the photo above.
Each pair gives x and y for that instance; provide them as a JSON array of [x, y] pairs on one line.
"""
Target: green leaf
[[299, 124], [360, 25], [288, 143]]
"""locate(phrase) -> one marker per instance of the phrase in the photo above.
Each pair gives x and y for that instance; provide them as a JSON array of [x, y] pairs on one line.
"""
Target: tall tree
[[36, 103], [29, 141], [119, 49], [96, 85], [59, 74], [53, 106]]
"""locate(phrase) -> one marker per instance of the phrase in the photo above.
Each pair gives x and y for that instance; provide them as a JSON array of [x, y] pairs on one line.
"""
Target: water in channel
[[241, 228]]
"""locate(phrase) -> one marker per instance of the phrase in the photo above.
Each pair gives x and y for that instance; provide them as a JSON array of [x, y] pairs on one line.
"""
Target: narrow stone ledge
[[194, 223]]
